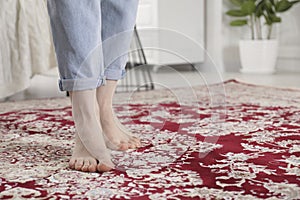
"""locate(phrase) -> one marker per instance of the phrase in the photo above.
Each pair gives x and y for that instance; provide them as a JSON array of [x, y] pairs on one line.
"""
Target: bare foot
[[90, 150], [126, 132], [116, 135], [82, 160]]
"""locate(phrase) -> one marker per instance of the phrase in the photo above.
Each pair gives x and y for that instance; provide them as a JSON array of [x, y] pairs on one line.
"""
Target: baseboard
[[288, 65]]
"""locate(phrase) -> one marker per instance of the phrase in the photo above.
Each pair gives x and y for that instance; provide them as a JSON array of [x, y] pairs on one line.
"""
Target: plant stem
[[258, 28], [252, 27], [270, 31]]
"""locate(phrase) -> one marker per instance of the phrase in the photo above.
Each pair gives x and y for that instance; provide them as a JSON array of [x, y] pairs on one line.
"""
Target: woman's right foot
[[90, 152], [82, 160]]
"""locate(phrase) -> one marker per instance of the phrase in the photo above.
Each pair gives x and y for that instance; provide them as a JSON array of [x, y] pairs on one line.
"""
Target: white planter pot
[[258, 56]]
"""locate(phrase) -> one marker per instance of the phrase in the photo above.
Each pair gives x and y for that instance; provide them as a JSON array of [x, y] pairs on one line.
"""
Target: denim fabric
[[91, 39]]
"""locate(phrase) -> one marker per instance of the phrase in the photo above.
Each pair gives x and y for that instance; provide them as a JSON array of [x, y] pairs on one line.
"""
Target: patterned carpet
[[187, 153]]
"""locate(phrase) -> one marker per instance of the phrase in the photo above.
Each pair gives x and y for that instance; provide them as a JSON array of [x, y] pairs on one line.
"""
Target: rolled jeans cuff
[[81, 84], [114, 74]]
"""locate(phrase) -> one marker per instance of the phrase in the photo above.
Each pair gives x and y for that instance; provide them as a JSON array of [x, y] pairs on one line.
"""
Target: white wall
[[289, 53]]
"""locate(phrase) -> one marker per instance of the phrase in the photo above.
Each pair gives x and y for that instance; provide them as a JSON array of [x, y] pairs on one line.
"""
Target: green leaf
[[236, 13], [283, 5], [248, 7], [259, 9], [269, 5], [272, 2], [294, 2], [275, 19], [239, 22], [237, 2], [269, 10], [268, 20]]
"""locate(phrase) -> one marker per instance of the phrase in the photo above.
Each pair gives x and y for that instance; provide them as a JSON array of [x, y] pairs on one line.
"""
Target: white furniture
[[25, 44], [172, 31]]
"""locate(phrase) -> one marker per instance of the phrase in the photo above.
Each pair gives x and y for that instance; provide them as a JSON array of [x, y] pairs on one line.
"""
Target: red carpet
[[256, 154]]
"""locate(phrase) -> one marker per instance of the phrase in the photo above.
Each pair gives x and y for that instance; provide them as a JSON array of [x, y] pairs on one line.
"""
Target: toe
[[132, 145], [123, 146], [136, 141], [93, 166], [115, 145], [79, 164], [72, 163], [86, 165], [103, 168]]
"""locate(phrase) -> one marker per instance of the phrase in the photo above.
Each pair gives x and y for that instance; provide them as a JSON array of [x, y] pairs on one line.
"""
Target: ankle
[[104, 105], [107, 122]]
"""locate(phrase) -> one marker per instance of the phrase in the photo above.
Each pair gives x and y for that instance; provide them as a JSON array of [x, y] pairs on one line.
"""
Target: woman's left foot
[[115, 134]]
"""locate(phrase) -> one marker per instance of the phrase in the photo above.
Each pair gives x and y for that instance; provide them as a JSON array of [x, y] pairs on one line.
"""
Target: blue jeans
[[91, 39]]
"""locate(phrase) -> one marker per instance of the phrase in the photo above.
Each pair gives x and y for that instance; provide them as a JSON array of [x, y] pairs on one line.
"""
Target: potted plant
[[259, 53]]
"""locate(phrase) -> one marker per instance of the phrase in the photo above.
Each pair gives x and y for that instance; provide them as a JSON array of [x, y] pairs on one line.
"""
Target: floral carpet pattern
[[253, 154]]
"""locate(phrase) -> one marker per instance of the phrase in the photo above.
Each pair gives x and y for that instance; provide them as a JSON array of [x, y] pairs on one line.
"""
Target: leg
[[118, 19], [89, 139], [81, 69], [76, 30], [117, 137]]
